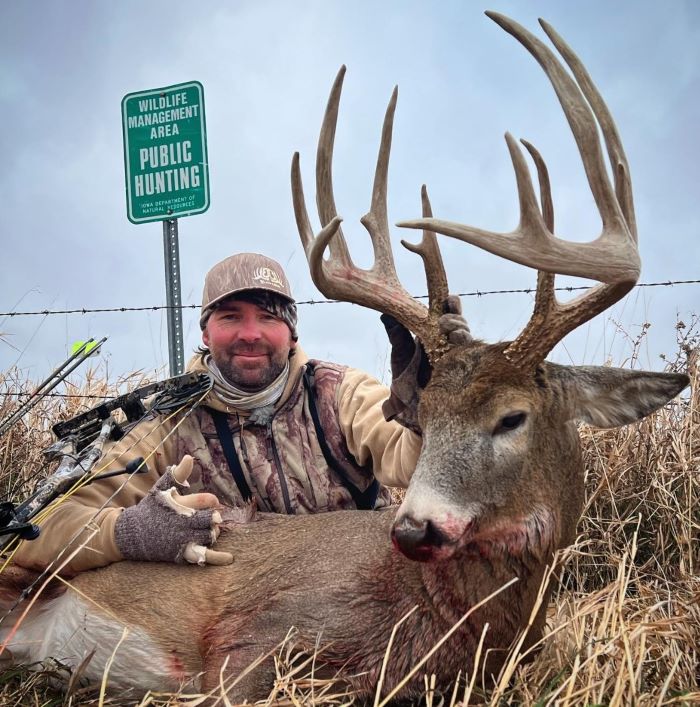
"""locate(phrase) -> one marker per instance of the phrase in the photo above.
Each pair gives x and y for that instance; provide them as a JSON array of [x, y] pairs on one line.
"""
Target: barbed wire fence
[[159, 307], [475, 293]]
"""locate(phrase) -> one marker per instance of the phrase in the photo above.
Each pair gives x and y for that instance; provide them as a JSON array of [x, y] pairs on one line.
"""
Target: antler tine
[[379, 287], [545, 185], [429, 251], [301, 215], [435, 275], [545, 296], [613, 143], [325, 201], [375, 220]]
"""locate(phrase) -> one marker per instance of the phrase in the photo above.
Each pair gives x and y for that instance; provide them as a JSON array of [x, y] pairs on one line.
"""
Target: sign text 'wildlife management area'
[[165, 153]]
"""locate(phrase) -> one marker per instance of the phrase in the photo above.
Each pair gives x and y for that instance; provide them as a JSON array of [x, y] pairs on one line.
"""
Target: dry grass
[[624, 623]]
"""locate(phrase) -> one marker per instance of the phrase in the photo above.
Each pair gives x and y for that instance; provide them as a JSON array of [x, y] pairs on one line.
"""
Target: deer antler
[[338, 278], [612, 258]]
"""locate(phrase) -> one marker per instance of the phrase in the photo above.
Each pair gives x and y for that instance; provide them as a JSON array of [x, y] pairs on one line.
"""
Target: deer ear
[[610, 397]]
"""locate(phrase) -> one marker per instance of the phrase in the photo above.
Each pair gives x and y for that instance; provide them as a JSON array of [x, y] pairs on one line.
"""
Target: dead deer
[[497, 490]]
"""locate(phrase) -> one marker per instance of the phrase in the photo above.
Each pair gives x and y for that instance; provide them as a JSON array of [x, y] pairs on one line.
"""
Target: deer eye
[[510, 422]]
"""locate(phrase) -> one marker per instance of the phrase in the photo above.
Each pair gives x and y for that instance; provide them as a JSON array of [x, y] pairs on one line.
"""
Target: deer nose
[[416, 539]]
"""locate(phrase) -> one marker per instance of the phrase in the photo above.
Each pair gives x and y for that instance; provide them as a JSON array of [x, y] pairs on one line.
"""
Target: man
[[293, 434]]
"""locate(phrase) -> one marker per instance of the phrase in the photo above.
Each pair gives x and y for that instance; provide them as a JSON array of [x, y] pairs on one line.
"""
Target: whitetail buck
[[497, 490]]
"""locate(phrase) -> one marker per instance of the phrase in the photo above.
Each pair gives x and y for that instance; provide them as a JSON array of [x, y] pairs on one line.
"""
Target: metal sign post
[[167, 176], [176, 344]]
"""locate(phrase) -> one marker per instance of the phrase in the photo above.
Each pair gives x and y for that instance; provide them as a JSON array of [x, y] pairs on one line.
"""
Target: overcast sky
[[266, 68]]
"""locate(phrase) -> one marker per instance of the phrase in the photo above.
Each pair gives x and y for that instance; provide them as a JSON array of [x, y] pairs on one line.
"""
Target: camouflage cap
[[242, 272]]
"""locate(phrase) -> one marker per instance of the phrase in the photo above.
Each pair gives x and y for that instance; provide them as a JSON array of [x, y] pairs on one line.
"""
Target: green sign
[[165, 153]]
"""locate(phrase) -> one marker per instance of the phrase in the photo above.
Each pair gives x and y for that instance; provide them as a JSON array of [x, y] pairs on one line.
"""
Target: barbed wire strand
[[475, 293]]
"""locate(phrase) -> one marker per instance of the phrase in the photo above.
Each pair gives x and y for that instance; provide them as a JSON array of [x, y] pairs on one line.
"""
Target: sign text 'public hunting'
[[165, 152]]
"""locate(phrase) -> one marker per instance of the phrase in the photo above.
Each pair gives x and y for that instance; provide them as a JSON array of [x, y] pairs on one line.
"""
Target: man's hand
[[169, 526], [410, 369], [452, 324]]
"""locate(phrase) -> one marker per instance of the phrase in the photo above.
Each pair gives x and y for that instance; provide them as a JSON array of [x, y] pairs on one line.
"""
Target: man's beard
[[253, 379]]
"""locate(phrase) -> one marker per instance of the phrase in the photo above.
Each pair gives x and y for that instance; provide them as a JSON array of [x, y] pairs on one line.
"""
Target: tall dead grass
[[624, 621]]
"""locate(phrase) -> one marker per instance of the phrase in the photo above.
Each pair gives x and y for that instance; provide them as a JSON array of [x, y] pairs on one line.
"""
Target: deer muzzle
[[423, 540]]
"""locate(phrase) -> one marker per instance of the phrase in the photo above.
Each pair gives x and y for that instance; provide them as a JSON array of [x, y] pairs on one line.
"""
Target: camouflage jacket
[[282, 461]]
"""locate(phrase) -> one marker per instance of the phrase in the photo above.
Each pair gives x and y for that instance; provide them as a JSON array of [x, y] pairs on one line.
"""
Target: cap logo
[[268, 276]]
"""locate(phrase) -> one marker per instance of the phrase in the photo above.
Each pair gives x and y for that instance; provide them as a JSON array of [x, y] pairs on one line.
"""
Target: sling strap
[[234, 464], [364, 500]]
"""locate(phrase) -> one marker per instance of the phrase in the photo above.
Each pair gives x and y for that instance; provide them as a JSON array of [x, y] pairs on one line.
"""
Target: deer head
[[500, 470]]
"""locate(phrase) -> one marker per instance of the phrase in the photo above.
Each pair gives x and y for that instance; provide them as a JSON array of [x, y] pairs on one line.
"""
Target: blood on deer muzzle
[[416, 539]]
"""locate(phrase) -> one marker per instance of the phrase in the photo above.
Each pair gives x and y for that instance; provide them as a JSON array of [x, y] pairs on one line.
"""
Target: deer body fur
[[346, 594], [501, 505]]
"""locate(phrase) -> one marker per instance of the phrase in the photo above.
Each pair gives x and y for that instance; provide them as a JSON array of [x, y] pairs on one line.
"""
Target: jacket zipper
[[278, 466]]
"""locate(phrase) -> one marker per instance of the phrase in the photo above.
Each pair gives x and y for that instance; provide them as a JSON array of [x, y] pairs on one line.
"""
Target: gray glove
[[452, 324], [410, 368], [165, 526]]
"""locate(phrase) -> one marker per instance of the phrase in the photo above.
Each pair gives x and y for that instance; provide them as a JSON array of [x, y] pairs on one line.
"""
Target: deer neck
[[454, 587]]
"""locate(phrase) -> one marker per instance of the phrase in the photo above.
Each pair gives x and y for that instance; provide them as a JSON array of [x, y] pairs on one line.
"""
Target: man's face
[[248, 344]]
